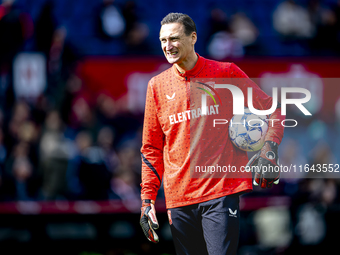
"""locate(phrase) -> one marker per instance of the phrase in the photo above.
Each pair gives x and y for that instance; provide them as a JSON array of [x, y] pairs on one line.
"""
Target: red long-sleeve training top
[[178, 141]]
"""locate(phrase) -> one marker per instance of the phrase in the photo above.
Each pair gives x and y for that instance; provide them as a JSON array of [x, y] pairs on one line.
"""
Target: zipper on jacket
[[187, 91]]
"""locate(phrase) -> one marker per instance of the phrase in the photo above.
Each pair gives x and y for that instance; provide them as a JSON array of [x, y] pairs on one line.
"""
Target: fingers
[[152, 236], [269, 173], [265, 177], [147, 229], [153, 224], [263, 181], [152, 217], [268, 183], [254, 160], [149, 223], [257, 178], [258, 175]]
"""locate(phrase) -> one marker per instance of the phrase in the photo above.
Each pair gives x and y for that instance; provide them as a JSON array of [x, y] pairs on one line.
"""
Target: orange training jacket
[[178, 140]]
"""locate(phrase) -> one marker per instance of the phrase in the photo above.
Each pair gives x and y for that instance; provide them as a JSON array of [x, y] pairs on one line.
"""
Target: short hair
[[184, 19]]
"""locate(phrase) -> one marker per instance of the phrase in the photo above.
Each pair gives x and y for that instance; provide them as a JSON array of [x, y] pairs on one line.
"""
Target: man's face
[[176, 45]]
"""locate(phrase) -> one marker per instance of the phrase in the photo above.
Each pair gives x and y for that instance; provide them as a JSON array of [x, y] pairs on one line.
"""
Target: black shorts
[[210, 227]]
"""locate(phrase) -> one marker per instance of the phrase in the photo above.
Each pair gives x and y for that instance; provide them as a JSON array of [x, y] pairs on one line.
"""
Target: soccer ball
[[247, 132]]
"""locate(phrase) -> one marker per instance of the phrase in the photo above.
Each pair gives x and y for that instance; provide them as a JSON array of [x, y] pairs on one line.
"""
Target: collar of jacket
[[191, 73]]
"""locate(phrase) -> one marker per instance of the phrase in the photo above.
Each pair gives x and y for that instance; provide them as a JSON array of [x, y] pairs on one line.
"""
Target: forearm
[[149, 191], [152, 171]]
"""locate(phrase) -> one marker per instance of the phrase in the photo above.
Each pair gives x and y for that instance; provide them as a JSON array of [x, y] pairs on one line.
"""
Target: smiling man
[[203, 212], [178, 44]]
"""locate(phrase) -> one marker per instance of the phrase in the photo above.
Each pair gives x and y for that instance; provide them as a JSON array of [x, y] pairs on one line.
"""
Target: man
[[203, 210]]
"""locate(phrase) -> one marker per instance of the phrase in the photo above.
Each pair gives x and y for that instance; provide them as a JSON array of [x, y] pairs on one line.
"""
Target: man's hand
[[267, 170], [148, 220]]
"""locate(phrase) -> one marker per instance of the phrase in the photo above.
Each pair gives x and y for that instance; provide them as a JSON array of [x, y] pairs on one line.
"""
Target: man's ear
[[194, 37]]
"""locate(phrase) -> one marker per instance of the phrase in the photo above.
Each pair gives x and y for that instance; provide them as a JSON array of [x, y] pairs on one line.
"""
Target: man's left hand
[[266, 162]]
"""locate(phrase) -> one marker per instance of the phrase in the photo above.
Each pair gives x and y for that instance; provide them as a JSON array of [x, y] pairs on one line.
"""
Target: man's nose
[[168, 45]]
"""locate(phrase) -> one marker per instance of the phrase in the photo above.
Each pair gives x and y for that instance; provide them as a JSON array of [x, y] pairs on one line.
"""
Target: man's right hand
[[148, 220]]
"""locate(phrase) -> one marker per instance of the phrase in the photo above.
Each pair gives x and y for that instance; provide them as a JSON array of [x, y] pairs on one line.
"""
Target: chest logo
[[172, 97]]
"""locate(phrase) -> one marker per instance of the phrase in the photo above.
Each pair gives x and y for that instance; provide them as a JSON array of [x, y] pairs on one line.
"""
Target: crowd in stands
[[54, 144], [129, 28]]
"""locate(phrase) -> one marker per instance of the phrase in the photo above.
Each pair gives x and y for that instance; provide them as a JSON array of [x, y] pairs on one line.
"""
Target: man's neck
[[188, 65]]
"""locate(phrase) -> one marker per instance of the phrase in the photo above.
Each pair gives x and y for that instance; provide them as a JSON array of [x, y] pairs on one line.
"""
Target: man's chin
[[172, 60]]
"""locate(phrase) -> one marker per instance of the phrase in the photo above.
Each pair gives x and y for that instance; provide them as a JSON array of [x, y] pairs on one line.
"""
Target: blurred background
[[73, 78]]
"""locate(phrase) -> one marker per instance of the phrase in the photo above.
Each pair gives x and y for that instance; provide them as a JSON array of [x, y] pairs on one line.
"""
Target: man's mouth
[[173, 53]]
